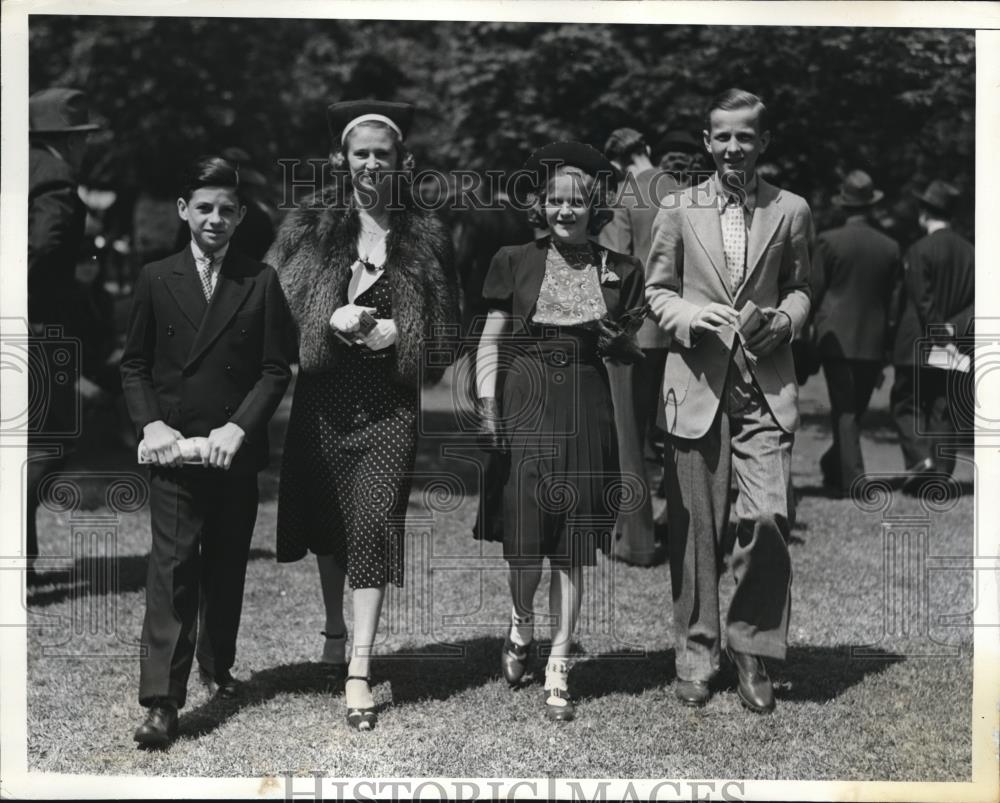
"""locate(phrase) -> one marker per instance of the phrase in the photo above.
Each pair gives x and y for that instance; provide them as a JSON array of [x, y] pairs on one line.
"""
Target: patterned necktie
[[734, 241], [205, 273]]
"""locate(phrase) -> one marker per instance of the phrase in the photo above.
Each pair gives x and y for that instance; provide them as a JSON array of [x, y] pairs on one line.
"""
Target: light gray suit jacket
[[687, 270]]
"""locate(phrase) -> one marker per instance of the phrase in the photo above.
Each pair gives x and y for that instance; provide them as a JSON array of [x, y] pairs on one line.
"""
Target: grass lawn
[[895, 713]]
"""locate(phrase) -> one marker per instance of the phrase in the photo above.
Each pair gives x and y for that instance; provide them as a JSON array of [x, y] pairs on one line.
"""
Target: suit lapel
[[231, 289], [704, 221], [185, 286], [766, 219], [534, 267]]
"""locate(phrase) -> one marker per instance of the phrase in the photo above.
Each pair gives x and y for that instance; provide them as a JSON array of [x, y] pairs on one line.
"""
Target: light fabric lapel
[[767, 218], [703, 217]]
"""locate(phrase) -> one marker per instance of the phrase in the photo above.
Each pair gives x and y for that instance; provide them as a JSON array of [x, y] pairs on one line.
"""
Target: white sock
[[556, 675], [522, 628]]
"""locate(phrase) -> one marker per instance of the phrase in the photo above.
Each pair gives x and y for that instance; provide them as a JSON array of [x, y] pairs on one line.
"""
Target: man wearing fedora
[[855, 268], [937, 304], [59, 123]]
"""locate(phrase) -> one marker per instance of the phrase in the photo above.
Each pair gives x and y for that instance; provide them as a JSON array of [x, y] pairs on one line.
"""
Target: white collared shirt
[[200, 259]]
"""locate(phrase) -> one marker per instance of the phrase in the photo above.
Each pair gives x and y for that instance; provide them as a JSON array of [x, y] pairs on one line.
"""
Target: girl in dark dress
[[359, 250], [554, 411]]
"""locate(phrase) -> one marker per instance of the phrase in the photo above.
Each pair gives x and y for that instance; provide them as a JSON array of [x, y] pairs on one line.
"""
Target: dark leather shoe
[[160, 727], [222, 684], [754, 688], [917, 475], [694, 693], [513, 661]]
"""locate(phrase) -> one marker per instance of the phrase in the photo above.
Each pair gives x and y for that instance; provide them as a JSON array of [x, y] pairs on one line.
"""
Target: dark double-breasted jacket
[[197, 365]]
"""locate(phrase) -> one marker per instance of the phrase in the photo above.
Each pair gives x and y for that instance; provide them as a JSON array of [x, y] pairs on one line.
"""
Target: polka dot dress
[[346, 468]]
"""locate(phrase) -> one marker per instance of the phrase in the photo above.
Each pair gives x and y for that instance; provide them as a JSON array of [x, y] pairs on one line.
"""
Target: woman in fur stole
[[369, 280]]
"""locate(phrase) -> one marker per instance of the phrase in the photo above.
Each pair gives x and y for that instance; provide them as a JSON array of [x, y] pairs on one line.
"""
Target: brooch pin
[[608, 276]]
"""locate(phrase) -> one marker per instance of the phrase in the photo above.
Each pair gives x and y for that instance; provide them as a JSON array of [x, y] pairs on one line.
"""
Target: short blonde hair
[[598, 192]]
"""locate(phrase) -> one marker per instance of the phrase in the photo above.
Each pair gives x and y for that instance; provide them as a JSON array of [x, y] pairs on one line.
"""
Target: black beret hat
[[576, 154]]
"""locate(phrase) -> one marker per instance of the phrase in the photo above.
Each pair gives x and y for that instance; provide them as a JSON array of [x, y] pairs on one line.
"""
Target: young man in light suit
[[731, 401]]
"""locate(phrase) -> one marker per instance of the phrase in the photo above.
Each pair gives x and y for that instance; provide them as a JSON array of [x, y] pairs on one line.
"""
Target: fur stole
[[313, 252]]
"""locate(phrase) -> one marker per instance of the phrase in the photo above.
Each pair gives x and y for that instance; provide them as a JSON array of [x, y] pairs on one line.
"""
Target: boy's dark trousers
[[202, 524]]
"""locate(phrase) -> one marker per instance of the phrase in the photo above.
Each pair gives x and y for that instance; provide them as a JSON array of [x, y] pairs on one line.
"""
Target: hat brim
[[66, 129], [579, 155], [848, 203], [922, 197]]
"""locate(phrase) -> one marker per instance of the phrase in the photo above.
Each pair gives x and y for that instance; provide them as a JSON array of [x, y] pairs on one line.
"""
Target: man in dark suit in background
[[680, 156], [855, 268], [938, 305], [206, 357], [59, 124], [635, 389], [483, 225]]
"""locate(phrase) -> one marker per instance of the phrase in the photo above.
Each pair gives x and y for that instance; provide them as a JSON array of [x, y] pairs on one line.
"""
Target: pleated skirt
[[562, 491]]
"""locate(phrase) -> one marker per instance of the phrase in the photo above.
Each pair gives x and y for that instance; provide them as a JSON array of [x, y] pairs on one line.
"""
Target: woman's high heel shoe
[[514, 660], [361, 719], [334, 655], [559, 706]]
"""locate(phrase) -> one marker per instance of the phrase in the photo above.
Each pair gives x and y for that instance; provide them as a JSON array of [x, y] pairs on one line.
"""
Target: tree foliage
[[899, 103]]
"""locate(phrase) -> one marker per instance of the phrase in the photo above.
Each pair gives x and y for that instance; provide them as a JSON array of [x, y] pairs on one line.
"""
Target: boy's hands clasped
[[223, 444], [163, 445]]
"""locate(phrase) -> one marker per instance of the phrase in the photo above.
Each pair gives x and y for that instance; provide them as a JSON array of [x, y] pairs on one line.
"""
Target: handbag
[[616, 339]]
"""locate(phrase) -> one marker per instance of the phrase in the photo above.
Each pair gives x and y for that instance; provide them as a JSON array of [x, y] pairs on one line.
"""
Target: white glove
[[348, 317], [382, 336]]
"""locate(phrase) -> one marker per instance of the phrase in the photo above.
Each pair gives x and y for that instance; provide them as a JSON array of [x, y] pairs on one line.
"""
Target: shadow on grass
[[821, 674], [440, 671], [429, 672], [97, 575]]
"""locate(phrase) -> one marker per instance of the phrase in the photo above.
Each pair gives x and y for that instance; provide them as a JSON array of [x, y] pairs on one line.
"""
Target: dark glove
[[616, 339], [490, 436]]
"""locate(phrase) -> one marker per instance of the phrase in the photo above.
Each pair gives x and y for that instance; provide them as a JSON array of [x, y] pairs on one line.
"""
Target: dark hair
[[733, 99], [623, 144], [212, 171], [600, 196]]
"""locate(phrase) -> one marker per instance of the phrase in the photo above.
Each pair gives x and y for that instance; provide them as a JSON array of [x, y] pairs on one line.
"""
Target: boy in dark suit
[[205, 357]]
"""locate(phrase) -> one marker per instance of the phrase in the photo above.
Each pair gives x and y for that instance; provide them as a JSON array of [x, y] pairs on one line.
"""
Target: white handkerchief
[[192, 450], [949, 358]]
